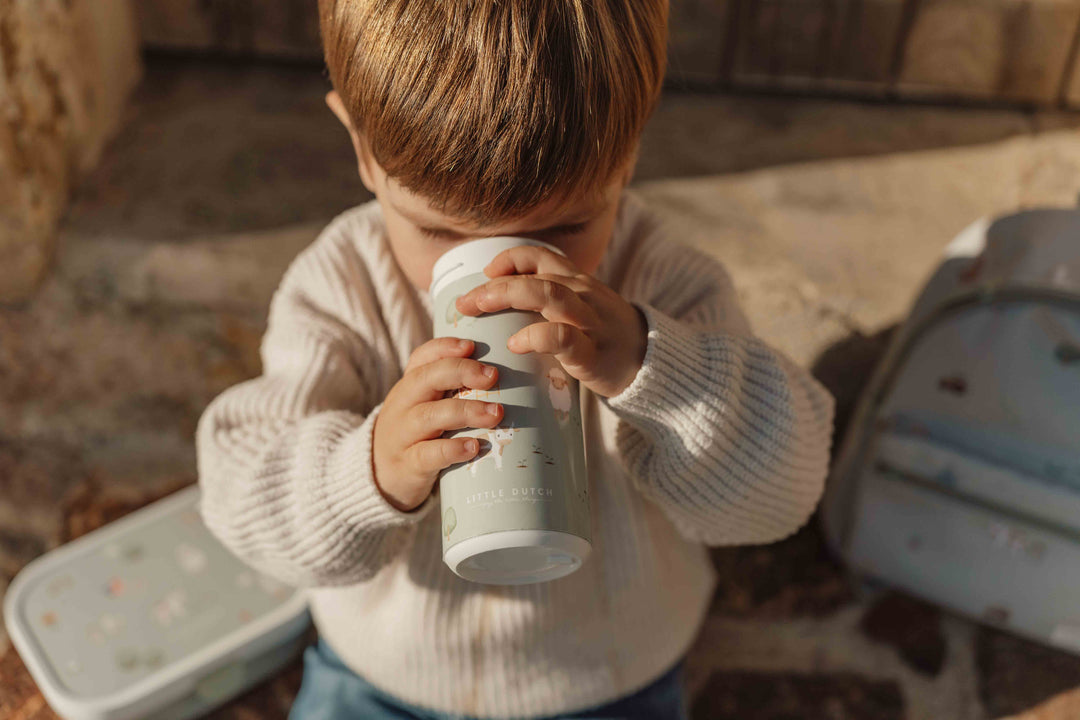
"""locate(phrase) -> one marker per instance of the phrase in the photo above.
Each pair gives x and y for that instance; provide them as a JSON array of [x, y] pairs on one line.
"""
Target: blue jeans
[[330, 691]]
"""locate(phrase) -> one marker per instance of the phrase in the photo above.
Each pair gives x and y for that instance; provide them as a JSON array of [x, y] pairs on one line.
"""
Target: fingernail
[[462, 344], [489, 371], [471, 446], [513, 342], [493, 409]]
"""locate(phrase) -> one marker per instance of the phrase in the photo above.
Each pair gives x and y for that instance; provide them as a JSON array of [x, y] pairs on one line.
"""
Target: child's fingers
[[568, 344], [529, 259], [552, 299], [577, 283], [431, 381], [431, 456], [431, 419], [439, 348]]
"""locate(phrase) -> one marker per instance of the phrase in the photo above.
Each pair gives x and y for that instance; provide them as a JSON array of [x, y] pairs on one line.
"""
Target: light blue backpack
[[959, 479]]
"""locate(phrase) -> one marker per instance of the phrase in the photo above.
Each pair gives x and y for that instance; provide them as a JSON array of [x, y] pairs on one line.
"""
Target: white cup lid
[[472, 256]]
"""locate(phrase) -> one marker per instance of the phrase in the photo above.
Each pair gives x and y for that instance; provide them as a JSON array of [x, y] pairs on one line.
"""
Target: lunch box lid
[[132, 616]]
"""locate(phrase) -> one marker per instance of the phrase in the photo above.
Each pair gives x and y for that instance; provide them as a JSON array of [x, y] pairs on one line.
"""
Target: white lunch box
[[150, 616]]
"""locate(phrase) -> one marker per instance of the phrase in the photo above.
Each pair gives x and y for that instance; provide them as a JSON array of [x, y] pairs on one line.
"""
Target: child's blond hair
[[488, 108]]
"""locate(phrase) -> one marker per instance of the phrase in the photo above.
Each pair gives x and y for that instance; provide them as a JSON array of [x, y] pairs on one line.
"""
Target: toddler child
[[474, 118]]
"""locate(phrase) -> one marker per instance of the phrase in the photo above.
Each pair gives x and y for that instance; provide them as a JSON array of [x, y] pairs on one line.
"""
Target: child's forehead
[[556, 212]]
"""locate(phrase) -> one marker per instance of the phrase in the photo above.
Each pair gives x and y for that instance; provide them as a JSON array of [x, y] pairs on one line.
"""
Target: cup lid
[[473, 255]]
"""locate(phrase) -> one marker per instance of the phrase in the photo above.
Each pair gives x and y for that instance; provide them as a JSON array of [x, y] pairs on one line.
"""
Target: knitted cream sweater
[[719, 440]]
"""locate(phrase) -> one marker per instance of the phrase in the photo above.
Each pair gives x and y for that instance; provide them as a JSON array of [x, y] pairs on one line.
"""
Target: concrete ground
[[828, 214]]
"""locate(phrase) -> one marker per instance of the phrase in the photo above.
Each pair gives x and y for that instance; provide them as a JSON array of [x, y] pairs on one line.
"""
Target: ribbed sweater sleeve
[[284, 459], [725, 434]]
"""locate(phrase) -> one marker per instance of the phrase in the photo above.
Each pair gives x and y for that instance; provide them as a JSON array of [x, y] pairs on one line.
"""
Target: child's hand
[[407, 447], [597, 336]]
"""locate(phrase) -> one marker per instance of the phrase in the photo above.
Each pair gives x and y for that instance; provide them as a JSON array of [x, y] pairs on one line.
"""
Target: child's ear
[[363, 157]]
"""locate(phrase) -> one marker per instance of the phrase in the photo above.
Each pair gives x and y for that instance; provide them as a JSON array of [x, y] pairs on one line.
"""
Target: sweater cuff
[[361, 497], [673, 358]]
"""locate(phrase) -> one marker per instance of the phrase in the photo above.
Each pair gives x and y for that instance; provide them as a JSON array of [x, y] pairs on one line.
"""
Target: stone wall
[[272, 28], [66, 67], [986, 50]]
